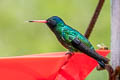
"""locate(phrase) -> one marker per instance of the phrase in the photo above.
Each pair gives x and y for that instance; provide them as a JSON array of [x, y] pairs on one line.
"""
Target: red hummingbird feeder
[[52, 66]]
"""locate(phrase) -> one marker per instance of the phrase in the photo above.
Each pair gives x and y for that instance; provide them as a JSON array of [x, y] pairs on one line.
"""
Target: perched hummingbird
[[72, 39]]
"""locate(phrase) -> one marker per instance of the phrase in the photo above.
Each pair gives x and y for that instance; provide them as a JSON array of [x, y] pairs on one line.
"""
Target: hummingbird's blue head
[[53, 21]]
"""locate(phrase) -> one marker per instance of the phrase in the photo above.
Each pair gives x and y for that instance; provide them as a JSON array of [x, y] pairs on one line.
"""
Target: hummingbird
[[71, 39]]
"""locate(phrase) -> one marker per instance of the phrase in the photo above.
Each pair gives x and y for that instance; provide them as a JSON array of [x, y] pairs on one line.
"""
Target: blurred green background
[[20, 38]]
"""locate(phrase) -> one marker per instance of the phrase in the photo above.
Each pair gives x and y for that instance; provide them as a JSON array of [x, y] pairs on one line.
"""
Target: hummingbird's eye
[[51, 23]]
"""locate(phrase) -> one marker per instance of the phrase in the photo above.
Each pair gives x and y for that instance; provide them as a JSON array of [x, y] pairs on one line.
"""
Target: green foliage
[[20, 38]]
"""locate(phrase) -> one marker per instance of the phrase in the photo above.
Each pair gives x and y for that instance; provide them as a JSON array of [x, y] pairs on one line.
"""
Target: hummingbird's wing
[[90, 52], [70, 34], [85, 41]]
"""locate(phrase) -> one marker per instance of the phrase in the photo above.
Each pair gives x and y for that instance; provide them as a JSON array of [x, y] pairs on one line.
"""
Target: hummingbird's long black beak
[[38, 21]]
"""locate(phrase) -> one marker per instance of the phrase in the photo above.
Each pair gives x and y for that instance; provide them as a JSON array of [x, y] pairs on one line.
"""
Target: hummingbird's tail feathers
[[105, 60], [90, 52], [101, 63]]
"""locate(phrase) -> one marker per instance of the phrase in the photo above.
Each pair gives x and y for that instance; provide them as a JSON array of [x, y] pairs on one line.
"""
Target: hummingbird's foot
[[69, 53]]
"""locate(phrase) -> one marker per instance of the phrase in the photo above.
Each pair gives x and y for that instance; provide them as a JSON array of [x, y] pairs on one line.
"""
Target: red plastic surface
[[54, 66]]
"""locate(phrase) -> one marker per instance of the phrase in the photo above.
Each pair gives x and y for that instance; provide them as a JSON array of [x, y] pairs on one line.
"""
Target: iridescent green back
[[66, 34]]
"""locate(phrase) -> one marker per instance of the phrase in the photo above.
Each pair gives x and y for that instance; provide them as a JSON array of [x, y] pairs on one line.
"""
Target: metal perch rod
[[94, 18]]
